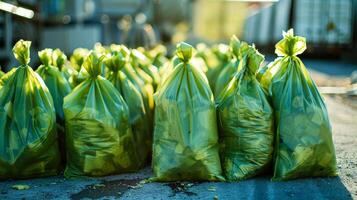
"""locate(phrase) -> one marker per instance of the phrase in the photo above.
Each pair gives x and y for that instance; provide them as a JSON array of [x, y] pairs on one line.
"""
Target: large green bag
[[227, 73], [98, 134], [246, 121], [185, 134], [28, 138], [138, 116], [304, 146], [59, 87]]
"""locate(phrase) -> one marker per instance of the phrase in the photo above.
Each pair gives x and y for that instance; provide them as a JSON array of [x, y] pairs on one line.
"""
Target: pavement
[[343, 116]]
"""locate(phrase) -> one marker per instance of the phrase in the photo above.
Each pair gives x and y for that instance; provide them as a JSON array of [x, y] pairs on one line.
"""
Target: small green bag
[[138, 116], [60, 61], [246, 121], [304, 146], [98, 134], [185, 134], [59, 87], [227, 73], [28, 137]]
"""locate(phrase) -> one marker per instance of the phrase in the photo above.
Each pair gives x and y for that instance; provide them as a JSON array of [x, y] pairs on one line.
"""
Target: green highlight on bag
[[304, 146], [245, 118], [28, 139], [99, 138], [185, 133]]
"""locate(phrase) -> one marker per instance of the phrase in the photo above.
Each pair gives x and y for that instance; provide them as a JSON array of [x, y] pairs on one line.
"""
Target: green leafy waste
[[185, 133], [99, 138], [304, 146], [246, 121], [28, 139]]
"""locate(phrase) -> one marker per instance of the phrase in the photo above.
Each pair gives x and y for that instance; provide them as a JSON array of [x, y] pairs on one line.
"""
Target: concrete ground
[[343, 116]]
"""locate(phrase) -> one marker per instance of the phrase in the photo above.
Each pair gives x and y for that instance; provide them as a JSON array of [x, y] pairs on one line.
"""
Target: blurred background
[[329, 25]]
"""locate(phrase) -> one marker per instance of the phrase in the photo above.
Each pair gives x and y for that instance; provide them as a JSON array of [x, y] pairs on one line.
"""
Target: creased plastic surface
[[304, 146], [131, 95], [246, 122], [185, 134], [98, 134], [28, 138]]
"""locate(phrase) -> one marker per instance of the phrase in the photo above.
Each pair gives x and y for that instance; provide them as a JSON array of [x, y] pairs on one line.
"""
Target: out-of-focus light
[[20, 11]]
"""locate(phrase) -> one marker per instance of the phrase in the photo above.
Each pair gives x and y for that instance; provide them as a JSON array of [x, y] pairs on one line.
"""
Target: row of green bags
[[271, 119], [275, 118], [98, 138]]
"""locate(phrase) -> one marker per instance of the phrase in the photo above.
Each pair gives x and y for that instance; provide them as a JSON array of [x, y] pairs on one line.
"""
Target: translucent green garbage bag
[[227, 73], [60, 61], [59, 88], [138, 116], [246, 121], [304, 146], [222, 54], [185, 133], [140, 60], [77, 60], [146, 89], [28, 138], [99, 139]]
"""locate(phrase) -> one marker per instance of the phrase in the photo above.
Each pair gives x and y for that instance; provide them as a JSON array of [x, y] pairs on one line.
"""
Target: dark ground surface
[[129, 186]]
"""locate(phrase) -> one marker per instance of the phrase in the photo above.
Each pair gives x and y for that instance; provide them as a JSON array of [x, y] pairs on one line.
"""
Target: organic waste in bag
[[131, 95], [59, 87], [227, 73], [246, 121], [185, 133], [304, 146], [76, 61], [28, 138], [98, 134]]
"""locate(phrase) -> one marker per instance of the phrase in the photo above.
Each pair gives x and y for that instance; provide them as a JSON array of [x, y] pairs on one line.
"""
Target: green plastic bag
[[227, 73], [185, 134], [28, 138], [246, 121], [77, 60], [60, 61], [222, 54], [146, 89], [138, 116], [304, 146], [140, 60], [98, 134], [59, 88]]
